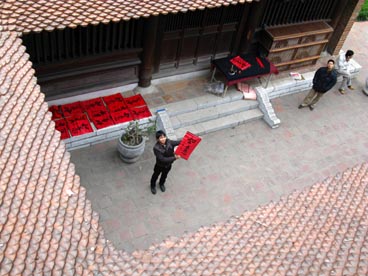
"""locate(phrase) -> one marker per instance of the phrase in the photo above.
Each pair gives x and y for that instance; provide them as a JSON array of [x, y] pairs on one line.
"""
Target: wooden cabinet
[[295, 45]]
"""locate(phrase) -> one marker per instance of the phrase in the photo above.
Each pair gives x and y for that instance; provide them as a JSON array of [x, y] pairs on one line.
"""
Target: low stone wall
[[102, 135]]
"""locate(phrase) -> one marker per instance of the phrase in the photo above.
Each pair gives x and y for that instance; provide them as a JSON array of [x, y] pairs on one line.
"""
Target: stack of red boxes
[[75, 118]]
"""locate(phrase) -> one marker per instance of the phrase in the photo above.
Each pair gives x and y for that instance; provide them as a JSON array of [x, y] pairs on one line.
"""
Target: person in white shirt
[[343, 68]]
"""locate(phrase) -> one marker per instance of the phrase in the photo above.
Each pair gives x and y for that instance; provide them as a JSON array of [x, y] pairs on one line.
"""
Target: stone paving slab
[[213, 112], [232, 120], [205, 101]]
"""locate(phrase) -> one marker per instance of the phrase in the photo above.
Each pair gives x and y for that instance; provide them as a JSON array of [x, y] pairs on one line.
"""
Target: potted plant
[[132, 142]]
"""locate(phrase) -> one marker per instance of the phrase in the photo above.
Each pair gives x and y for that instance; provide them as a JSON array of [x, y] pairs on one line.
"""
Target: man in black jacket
[[324, 79], [165, 156]]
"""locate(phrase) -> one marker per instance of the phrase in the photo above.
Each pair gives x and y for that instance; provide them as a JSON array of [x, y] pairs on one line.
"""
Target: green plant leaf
[[135, 133]]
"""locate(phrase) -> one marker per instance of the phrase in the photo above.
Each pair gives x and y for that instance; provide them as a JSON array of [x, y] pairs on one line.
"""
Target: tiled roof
[[319, 231], [37, 15], [46, 223], [47, 226]]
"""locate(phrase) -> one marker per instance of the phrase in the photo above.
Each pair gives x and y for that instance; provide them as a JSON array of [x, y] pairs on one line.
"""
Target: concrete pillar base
[[145, 90]]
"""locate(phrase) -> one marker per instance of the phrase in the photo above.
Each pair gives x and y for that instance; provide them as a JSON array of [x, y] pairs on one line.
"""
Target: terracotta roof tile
[[35, 16]]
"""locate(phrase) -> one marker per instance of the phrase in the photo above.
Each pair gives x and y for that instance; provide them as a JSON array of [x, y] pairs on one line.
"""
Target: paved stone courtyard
[[233, 170]]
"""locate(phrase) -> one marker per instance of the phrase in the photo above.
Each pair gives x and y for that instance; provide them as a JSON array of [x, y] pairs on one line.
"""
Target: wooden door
[[192, 37]]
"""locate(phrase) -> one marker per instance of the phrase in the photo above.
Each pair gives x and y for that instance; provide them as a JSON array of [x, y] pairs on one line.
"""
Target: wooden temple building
[[82, 58]]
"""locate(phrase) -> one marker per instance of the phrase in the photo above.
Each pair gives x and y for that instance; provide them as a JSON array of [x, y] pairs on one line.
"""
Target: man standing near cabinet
[[324, 79]]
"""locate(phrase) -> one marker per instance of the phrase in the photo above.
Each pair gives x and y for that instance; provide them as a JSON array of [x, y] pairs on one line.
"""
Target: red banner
[[140, 112], [78, 124], [96, 110], [71, 109], [240, 63], [135, 101], [101, 118], [187, 145], [116, 106], [92, 104], [115, 102], [56, 112], [259, 62], [113, 99], [121, 116], [61, 126]]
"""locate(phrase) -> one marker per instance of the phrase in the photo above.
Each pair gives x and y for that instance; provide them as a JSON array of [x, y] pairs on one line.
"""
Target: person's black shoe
[[153, 190], [162, 188], [311, 108], [300, 106]]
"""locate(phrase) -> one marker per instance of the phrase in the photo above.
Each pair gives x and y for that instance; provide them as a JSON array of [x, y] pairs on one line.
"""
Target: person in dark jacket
[[324, 79], [165, 156]]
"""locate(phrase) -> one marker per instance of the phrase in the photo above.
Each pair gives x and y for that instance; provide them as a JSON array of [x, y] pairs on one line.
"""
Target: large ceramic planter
[[130, 154]]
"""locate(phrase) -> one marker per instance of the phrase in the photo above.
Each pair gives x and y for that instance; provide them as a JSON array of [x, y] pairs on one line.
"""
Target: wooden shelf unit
[[295, 45]]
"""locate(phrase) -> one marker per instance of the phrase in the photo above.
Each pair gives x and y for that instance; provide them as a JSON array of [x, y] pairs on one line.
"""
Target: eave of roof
[[36, 16]]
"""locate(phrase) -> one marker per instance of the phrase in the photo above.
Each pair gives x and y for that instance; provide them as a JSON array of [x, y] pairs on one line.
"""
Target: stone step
[[211, 113], [202, 102], [220, 123]]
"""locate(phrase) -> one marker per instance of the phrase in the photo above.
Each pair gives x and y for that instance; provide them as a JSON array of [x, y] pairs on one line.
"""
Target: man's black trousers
[[156, 173]]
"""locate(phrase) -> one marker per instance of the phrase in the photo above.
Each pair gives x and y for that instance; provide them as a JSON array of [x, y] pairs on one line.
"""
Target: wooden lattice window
[[283, 12], [59, 45], [203, 18]]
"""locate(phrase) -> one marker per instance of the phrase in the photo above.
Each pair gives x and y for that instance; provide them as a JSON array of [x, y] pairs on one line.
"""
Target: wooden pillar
[[252, 21], [149, 42], [239, 34], [344, 18]]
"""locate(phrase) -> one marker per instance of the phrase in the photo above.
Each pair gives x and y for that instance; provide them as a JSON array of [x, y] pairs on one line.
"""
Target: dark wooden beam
[[149, 42], [342, 15], [252, 17], [159, 42], [242, 25]]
